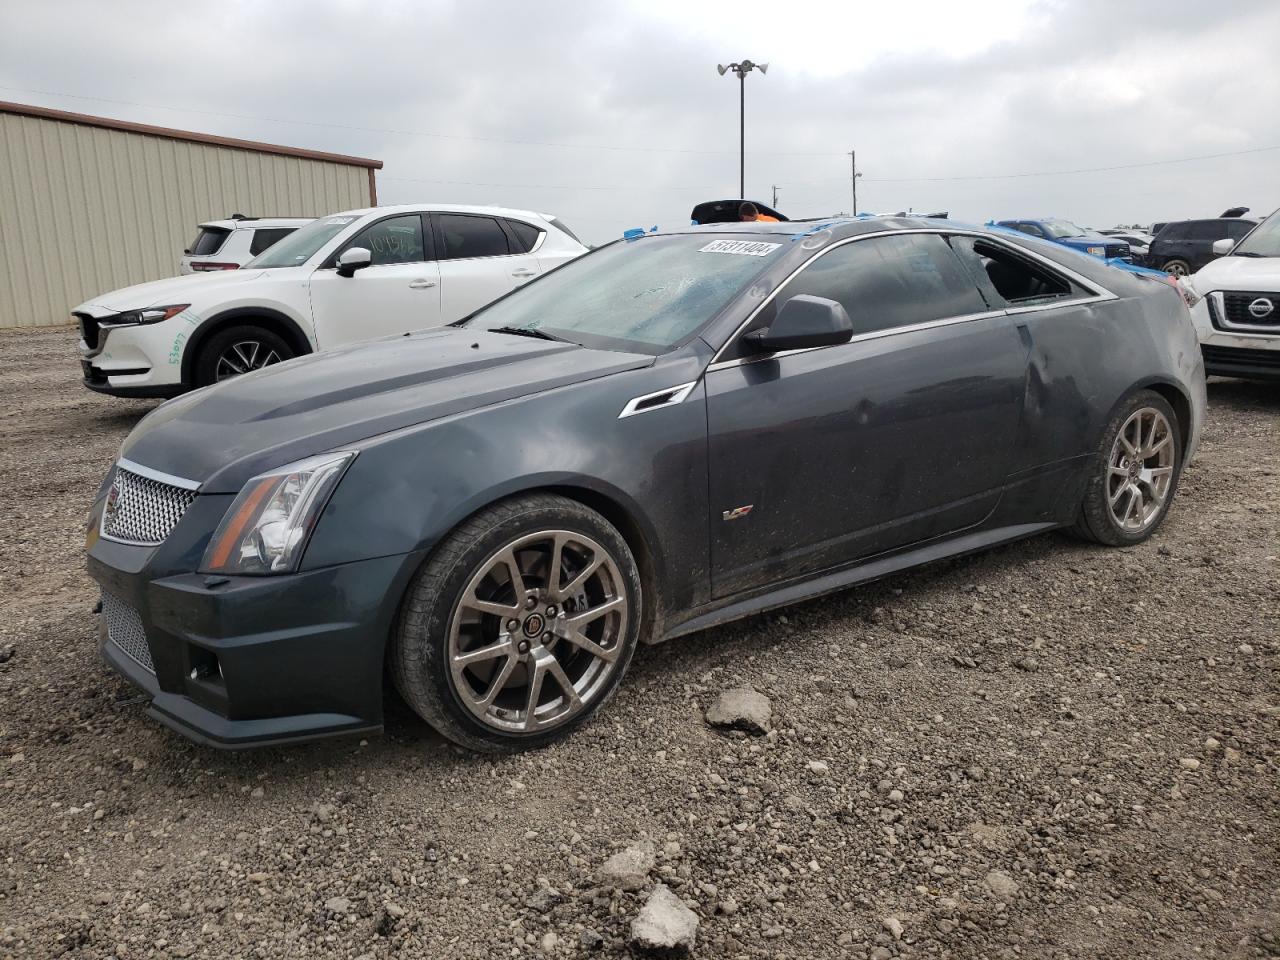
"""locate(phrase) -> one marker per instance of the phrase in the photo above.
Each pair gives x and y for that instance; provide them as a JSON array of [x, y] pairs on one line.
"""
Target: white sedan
[[348, 277]]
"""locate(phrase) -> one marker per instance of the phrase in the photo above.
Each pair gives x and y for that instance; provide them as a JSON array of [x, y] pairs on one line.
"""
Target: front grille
[[1118, 250], [142, 510], [1233, 357], [124, 629], [88, 330], [1236, 306]]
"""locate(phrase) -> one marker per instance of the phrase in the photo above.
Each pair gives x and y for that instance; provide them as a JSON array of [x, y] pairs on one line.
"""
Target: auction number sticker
[[743, 248]]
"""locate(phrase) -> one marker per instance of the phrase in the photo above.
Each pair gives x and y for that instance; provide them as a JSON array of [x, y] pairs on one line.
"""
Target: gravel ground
[[1050, 750]]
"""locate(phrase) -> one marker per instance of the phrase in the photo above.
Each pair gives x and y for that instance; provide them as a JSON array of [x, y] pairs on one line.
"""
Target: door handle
[[421, 284], [524, 273]]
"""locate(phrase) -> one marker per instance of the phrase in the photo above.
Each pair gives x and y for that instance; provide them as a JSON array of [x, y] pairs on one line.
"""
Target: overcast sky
[[613, 116]]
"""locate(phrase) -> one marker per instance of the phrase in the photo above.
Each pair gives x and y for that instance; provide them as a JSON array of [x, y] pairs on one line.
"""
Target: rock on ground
[[628, 869], [742, 708], [664, 925]]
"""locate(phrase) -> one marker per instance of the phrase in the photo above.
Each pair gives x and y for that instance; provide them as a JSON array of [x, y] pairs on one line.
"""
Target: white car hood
[[1238, 273], [195, 288]]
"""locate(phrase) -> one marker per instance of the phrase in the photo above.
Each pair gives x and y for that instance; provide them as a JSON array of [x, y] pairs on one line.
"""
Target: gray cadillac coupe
[[668, 433]]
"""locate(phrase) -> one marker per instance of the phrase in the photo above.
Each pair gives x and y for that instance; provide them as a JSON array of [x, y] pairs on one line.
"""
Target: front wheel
[[236, 350], [1177, 268], [1134, 474], [520, 626]]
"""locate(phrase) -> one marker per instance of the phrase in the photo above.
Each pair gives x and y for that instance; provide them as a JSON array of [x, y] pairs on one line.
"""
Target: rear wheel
[[1134, 474], [1177, 268], [236, 350], [520, 626]]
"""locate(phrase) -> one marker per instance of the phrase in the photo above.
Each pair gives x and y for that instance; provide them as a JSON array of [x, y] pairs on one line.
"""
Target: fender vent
[[657, 400]]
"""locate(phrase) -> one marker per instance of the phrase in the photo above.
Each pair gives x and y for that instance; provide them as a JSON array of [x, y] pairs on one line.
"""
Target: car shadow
[[1244, 394]]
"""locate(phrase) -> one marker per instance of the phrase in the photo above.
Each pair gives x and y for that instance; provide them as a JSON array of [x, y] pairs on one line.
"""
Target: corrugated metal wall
[[85, 210]]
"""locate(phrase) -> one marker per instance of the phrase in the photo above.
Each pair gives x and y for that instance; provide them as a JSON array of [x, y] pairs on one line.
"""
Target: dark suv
[[1184, 246]]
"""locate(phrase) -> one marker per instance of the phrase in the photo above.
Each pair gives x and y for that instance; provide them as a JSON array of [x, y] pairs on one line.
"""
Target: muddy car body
[[666, 434]]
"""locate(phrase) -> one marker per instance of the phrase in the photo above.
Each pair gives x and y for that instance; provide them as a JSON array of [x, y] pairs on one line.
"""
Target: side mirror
[[802, 322], [353, 259], [1224, 246]]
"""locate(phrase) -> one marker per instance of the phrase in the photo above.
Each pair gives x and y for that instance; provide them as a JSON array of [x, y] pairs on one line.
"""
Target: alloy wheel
[[1176, 269], [537, 633], [243, 356], [1140, 470]]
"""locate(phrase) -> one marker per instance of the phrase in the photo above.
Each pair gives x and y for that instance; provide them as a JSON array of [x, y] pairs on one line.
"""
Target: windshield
[[1062, 228], [1263, 241], [301, 245], [645, 295]]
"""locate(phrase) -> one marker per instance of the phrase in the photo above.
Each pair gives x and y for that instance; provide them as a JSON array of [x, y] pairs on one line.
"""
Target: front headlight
[[1096, 251], [268, 525], [133, 318]]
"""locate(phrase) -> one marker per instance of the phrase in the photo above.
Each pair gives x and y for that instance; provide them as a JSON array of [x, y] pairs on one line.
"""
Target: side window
[[1032, 229], [887, 282], [1207, 230], [268, 236], [1238, 229], [526, 235], [1008, 280], [464, 237], [394, 240]]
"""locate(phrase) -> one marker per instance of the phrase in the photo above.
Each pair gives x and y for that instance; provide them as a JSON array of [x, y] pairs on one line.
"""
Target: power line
[[423, 133], [1042, 173]]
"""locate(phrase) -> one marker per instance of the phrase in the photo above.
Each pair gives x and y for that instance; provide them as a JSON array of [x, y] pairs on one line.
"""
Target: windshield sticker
[[743, 248], [339, 221]]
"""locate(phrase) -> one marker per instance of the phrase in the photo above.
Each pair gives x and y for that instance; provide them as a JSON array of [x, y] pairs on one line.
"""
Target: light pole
[[742, 69]]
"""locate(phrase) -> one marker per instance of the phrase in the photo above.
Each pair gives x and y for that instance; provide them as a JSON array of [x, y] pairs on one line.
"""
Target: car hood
[[1238, 273], [193, 288], [222, 435]]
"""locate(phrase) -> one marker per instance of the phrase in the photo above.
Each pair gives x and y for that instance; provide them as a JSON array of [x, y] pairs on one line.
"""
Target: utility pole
[[775, 196], [853, 179]]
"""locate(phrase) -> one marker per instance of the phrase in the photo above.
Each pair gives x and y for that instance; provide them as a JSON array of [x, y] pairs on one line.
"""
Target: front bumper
[[1248, 354], [252, 661], [141, 361]]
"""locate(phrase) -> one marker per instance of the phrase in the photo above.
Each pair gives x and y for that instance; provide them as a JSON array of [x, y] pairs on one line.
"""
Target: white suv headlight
[[134, 318], [268, 525]]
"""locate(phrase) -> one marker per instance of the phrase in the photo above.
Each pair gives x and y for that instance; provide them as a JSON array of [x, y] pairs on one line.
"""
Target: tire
[[584, 631], [1127, 497], [245, 346], [1177, 268]]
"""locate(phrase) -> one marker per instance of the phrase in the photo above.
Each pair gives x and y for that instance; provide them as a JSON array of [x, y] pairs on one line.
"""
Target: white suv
[[1236, 305], [230, 244], [351, 276]]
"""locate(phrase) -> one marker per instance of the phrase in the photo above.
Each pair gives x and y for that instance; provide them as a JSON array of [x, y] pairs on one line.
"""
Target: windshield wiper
[[530, 332], [1247, 253]]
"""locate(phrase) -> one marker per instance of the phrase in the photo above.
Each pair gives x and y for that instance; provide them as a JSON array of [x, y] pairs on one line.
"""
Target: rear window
[[267, 237], [465, 237], [208, 241], [526, 234]]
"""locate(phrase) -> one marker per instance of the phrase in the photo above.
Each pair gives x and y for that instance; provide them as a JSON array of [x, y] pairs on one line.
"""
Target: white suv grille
[[124, 629], [142, 510]]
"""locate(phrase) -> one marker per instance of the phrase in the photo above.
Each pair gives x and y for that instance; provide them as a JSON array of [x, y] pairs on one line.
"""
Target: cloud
[[922, 91]]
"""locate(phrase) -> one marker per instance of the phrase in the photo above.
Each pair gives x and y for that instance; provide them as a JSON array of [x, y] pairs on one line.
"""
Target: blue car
[[1069, 235]]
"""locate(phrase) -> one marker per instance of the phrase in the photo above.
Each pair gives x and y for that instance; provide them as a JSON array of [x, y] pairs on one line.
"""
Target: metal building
[[89, 204]]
